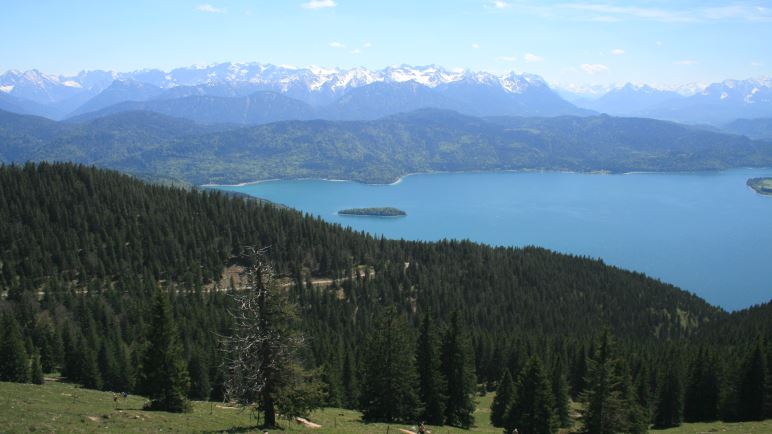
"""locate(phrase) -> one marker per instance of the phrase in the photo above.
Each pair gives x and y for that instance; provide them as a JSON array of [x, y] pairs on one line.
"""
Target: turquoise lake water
[[707, 232]]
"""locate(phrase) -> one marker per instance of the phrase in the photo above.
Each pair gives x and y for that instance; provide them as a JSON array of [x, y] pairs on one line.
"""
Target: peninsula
[[761, 185], [374, 212]]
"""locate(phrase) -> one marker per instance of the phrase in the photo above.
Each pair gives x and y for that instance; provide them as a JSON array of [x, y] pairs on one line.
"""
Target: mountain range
[[254, 93], [378, 151], [314, 92], [717, 104]]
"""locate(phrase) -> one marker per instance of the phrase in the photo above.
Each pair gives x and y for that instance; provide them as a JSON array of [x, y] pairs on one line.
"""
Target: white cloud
[[618, 52], [531, 58], [206, 7], [593, 68], [319, 4], [659, 43], [367, 45], [336, 44], [506, 58], [500, 4], [615, 11], [355, 51], [686, 62], [756, 63], [475, 45]]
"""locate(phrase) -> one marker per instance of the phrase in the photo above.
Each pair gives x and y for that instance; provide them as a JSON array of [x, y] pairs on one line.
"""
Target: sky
[[590, 42]]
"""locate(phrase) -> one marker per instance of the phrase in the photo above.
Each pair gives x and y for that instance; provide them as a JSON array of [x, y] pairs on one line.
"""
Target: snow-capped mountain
[[630, 100], [396, 88], [720, 103], [696, 103], [313, 84]]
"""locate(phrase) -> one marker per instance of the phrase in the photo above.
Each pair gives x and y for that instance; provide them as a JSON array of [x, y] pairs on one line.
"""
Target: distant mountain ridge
[[715, 104], [364, 94], [409, 87], [375, 151]]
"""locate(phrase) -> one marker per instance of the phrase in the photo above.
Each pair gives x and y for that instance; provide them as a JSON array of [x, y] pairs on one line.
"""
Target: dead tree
[[262, 353]]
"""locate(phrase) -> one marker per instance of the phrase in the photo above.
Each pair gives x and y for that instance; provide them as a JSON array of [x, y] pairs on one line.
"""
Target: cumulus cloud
[[336, 44], [206, 7], [531, 58], [618, 52], [500, 4], [355, 51], [686, 62], [593, 68], [475, 45], [319, 4], [367, 45]]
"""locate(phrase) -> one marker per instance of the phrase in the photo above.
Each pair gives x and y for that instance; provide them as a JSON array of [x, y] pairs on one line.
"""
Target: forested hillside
[[374, 151], [82, 251]]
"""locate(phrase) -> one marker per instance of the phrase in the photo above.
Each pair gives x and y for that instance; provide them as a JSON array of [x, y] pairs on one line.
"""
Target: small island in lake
[[761, 185], [375, 212]]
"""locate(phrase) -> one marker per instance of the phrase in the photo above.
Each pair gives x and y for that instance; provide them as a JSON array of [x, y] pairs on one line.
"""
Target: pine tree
[[604, 409], [389, 374], [199, 377], [531, 411], [669, 410], [349, 381], [636, 417], [702, 390], [36, 371], [560, 394], [14, 363], [752, 387], [431, 383], [164, 371], [458, 368], [505, 394]]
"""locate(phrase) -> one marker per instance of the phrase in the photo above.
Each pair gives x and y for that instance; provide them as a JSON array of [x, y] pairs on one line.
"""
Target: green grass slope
[[61, 407]]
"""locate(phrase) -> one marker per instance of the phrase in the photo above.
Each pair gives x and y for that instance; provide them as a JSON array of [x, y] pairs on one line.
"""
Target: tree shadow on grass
[[236, 429]]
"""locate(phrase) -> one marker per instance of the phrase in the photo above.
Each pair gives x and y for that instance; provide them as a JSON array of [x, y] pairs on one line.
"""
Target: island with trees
[[761, 185], [374, 212]]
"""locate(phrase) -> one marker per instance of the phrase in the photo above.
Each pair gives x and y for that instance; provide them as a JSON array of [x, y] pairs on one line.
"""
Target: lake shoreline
[[441, 172]]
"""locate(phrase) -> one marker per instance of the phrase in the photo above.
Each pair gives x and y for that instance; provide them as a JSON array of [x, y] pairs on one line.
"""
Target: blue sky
[[587, 42]]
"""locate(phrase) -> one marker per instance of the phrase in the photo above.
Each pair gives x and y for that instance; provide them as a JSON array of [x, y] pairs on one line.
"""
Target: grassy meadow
[[61, 407]]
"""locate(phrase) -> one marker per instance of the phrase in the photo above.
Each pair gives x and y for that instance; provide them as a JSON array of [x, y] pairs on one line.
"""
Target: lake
[[706, 232]]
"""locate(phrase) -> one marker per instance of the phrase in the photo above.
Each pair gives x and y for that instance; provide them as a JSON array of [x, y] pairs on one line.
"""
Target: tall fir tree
[[349, 381], [505, 394], [532, 410], [14, 362], [560, 394], [752, 388], [604, 409], [459, 369], [164, 371], [701, 394], [389, 376], [200, 387], [431, 391], [670, 398], [635, 415], [36, 370]]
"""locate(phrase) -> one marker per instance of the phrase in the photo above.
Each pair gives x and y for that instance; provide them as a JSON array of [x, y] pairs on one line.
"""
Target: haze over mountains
[[254, 93]]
